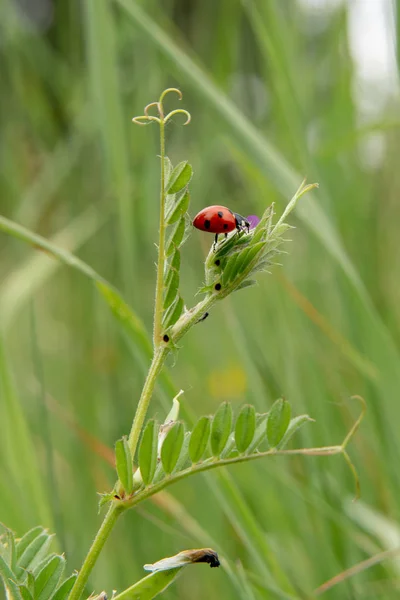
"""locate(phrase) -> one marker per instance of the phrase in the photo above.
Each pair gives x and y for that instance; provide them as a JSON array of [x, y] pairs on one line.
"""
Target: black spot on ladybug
[[225, 225], [207, 224], [220, 214], [166, 338], [217, 287], [217, 262]]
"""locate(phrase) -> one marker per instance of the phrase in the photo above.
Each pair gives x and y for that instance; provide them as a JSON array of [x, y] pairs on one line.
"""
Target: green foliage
[[199, 439], [172, 446], [215, 440], [245, 427], [221, 428], [278, 421], [148, 452], [321, 329], [179, 178], [123, 461], [230, 267], [28, 571]]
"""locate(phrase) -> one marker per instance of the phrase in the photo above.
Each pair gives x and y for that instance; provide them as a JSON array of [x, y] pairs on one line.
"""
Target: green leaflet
[[172, 447], [149, 587], [260, 433], [25, 593], [199, 439], [278, 421], [294, 425], [8, 578], [173, 313], [64, 589], [176, 237], [49, 577], [245, 427], [148, 452], [184, 459], [33, 554], [230, 271], [167, 168], [245, 284], [177, 207], [221, 428], [124, 464], [172, 289], [8, 548], [173, 266], [29, 536], [247, 257], [179, 178]]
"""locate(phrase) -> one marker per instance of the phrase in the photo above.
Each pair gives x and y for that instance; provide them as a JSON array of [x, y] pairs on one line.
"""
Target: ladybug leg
[[215, 241], [226, 235]]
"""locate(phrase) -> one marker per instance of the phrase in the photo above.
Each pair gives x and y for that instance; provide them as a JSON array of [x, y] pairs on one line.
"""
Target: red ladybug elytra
[[219, 219]]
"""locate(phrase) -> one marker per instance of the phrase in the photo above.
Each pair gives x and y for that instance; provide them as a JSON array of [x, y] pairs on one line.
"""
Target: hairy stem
[[147, 392], [158, 308], [214, 463], [109, 521]]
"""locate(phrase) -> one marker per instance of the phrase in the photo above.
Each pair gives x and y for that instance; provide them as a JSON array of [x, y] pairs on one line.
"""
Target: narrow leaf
[[148, 452], [172, 447], [173, 313], [249, 255], [124, 464], [167, 168], [151, 586], [260, 433], [245, 284], [172, 289], [179, 177], [8, 549], [173, 266], [8, 577], [33, 554], [294, 425], [230, 271], [199, 439], [184, 459], [278, 421], [25, 593], [30, 582], [176, 237], [64, 589], [29, 536], [221, 428], [178, 208], [49, 577], [245, 427]]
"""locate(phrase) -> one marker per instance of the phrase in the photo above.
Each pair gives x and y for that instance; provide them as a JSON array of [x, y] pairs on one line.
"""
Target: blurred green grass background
[[277, 90]]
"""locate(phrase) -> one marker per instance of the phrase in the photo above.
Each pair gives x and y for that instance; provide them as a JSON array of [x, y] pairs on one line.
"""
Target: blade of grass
[[19, 448], [103, 70]]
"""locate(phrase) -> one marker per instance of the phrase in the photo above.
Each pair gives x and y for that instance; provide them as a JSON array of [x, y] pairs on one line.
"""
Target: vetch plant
[[155, 455]]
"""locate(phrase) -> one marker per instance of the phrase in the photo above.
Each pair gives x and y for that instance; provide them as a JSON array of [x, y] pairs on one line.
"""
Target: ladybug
[[219, 219]]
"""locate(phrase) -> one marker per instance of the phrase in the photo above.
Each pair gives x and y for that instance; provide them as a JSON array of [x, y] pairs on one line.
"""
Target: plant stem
[[109, 521], [161, 251], [189, 318], [147, 392]]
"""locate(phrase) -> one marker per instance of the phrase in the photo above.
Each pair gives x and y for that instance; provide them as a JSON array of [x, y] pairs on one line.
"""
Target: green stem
[[147, 392], [95, 549], [214, 463], [158, 307], [189, 318]]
